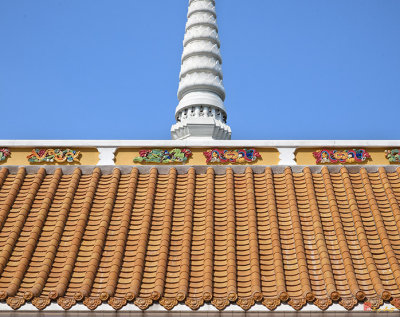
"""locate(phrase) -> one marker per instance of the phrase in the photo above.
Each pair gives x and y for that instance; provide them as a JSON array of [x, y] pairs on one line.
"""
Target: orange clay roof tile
[[214, 236]]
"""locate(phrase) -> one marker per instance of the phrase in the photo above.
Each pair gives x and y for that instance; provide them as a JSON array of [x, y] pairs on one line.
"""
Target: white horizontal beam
[[201, 143]]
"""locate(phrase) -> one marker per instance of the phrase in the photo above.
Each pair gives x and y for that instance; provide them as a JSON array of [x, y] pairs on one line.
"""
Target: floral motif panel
[[393, 155], [4, 154], [53, 155], [332, 156], [163, 156], [231, 156]]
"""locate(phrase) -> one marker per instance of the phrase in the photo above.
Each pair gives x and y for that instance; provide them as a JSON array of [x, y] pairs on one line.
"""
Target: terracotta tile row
[[200, 237]]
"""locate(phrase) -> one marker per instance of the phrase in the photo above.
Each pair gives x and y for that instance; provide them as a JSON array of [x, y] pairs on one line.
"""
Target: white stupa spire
[[201, 112]]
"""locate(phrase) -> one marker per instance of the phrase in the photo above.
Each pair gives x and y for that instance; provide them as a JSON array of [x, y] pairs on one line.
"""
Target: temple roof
[[195, 235]]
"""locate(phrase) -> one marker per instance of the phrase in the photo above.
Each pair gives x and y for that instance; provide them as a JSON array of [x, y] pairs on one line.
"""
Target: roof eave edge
[[201, 143]]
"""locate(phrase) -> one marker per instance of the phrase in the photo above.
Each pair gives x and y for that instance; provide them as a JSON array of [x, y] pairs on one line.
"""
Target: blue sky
[[96, 69]]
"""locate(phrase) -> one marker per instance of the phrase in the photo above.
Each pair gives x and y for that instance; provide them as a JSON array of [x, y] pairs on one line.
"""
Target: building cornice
[[201, 143]]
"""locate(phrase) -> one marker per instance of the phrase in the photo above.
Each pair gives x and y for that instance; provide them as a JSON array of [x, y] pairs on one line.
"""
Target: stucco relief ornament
[[41, 302], [163, 156], [332, 156], [323, 303], [168, 303], [348, 302], [245, 303], [117, 303], [194, 303], [373, 303], [231, 156], [143, 303], [53, 155], [66, 302], [393, 155], [297, 303], [15, 302], [271, 303], [4, 154], [92, 303], [220, 303]]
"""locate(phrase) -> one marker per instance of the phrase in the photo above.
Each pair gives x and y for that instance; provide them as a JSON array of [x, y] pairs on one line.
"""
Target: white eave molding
[[193, 143]]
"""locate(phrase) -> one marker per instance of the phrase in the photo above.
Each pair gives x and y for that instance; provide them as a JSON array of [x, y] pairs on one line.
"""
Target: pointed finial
[[201, 112]]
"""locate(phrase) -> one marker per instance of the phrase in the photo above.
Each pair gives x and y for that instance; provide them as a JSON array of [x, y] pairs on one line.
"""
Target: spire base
[[201, 128]]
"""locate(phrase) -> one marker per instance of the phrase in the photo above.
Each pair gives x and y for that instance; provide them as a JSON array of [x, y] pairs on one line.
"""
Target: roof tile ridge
[[158, 290], [298, 237], [341, 236], [3, 175], [137, 274], [390, 195], [101, 236], [56, 236], [320, 238], [115, 267], [361, 236], [282, 293], [208, 268], [253, 237], [380, 227], [184, 270], [70, 260], [34, 235], [12, 195], [5, 253], [231, 238]]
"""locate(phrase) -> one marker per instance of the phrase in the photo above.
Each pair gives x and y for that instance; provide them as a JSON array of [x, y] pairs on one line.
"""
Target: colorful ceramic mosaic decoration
[[163, 156], [231, 156], [393, 155], [341, 156], [53, 155], [4, 154]]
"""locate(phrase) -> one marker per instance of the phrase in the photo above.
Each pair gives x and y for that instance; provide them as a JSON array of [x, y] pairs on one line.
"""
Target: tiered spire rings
[[201, 112]]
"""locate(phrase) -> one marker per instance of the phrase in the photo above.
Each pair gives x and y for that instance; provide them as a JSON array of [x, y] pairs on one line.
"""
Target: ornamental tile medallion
[[4, 154], [238, 156], [331, 156], [53, 155], [117, 303], [66, 302], [393, 155], [41, 302], [163, 156]]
